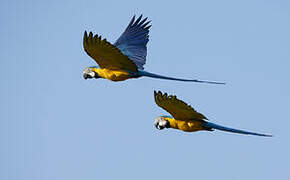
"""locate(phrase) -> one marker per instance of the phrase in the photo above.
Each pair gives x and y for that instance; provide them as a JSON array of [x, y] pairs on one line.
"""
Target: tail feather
[[223, 128], [148, 74]]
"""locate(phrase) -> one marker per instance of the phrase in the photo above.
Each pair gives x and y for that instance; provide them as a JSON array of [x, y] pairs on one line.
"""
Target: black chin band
[[96, 76], [167, 125]]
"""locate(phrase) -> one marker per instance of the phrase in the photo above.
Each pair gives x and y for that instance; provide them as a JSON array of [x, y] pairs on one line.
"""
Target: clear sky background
[[56, 125]]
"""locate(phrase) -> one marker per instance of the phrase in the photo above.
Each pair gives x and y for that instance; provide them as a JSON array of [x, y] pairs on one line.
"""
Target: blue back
[[133, 41]]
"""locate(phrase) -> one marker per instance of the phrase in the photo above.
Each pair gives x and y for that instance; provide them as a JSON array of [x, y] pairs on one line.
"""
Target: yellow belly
[[113, 75], [186, 125]]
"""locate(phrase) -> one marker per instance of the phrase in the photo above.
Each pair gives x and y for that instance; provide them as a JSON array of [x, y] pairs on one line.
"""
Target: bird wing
[[133, 41], [177, 108], [106, 54]]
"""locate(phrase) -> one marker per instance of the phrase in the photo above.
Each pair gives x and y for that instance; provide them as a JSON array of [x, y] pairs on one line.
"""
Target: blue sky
[[56, 125]]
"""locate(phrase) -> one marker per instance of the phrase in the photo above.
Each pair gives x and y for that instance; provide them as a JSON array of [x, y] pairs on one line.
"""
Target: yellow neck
[[113, 75], [173, 123], [186, 125]]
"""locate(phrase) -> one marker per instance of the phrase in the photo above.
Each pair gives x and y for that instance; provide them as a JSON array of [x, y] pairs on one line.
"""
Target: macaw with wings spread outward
[[185, 118], [126, 57]]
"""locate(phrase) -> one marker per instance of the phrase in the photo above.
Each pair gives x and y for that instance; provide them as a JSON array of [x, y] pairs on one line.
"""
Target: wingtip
[[132, 21], [157, 92], [137, 21], [85, 38], [85, 34]]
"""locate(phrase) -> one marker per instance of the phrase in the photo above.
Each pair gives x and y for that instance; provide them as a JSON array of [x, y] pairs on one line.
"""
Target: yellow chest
[[113, 75], [186, 125]]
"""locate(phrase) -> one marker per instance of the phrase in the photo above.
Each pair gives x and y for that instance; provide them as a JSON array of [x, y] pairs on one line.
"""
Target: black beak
[[86, 76], [159, 127]]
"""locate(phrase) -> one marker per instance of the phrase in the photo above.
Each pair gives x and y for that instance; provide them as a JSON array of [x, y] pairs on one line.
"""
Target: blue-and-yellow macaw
[[126, 57], [185, 118]]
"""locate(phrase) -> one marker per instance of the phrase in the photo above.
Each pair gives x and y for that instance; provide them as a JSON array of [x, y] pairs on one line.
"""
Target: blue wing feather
[[133, 41]]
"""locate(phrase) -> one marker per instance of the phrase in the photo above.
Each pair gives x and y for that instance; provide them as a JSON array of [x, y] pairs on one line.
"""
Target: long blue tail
[[148, 74], [223, 128]]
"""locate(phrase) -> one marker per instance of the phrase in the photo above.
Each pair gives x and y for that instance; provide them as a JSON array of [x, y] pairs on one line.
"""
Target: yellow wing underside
[[177, 108], [107, 55]]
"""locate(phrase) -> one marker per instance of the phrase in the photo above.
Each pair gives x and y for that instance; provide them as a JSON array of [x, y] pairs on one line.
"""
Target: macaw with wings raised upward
[[126, 57], [185, 118]]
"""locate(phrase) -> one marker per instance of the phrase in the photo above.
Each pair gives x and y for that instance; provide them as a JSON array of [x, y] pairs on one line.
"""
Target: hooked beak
[[86, 76], [90, 75], [159, 127]]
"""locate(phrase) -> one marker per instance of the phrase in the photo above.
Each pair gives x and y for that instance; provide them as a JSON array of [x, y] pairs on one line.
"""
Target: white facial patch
[[162, 123], [91, 73]]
